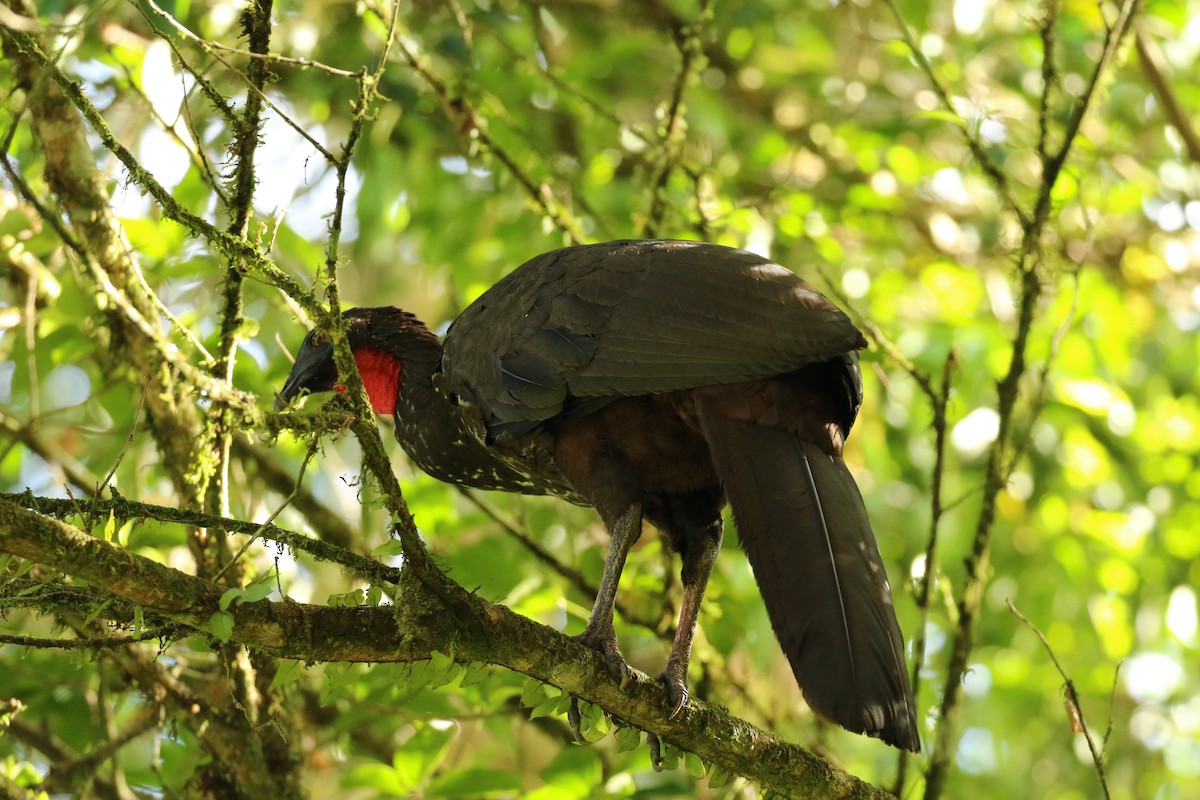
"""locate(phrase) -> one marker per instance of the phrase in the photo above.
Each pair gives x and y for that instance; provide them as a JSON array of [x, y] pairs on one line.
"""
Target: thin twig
[[470, 125], [1038, 401], [220, 424], [255, 90], [313, 445], [123, 509], [1053, 166], [269, 58], [990, 168], [35, 642], [1150, 60], [1112, 704], [1049, 76], [1007, 393], [691, 52], [1074, 709], [926, 582]]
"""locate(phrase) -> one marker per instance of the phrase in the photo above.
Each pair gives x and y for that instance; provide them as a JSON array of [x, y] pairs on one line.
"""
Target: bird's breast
[[655, 439]]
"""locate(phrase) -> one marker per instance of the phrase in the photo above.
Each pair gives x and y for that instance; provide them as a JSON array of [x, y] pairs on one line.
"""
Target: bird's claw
[[677, 692], [614, 662], [574, 720], [656, 759], [618, 669]]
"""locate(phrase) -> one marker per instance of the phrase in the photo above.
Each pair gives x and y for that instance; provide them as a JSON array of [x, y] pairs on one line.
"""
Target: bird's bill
[[310, 372]]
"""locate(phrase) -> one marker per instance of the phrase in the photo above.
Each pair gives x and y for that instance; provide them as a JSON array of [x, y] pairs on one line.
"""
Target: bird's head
[[379, 339]]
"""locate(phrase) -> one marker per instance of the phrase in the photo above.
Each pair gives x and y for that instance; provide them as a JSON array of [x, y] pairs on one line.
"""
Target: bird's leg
[[699, 555], [599, 634]]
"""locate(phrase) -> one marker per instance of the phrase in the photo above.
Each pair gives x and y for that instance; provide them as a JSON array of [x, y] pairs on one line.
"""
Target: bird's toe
[[656, 758], [614, 662], [677, 692], [618, 669], [574, 720]]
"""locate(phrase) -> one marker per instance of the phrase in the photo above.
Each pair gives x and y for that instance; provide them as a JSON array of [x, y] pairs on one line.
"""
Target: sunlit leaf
[[220, 625]]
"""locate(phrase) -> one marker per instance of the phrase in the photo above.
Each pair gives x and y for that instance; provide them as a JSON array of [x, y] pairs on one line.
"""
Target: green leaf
[[220, 625], [420, 673], [416, 759], [391, 547], [670, 756], [286, 672], [259, 589], [475, 783], [474, 673], [534, 694], [338, 677], [628, 738], [444, 670], [228, 597], [546, 709], [693, 764], [718, 777]]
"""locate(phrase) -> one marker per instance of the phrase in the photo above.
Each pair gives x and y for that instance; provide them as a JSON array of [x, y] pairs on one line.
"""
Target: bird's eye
[[316, 340]]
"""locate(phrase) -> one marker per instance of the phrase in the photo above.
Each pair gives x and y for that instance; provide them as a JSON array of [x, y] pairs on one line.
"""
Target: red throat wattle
[[381, 374]]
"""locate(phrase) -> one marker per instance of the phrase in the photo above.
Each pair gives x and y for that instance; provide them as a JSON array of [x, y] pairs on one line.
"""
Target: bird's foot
[[574, 720], [656, 758], [604, 643], [614, 662], [677, 691]]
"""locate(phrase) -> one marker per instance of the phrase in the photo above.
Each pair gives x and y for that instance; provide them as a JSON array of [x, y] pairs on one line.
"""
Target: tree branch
[[123, 509], [1150, 59], [468, 628], [999, 464]]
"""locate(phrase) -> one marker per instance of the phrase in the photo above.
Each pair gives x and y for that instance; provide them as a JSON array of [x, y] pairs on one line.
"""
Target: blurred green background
[[805, 131]]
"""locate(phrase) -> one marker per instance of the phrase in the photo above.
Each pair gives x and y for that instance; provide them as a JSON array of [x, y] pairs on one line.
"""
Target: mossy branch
[[123, 509], [468, 627]]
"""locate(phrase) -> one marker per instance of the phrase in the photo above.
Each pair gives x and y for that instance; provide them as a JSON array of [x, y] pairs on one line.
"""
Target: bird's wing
[[576, 326]]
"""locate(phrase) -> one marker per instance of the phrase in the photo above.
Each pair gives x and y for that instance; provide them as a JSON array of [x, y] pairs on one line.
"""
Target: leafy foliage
[[1030, 434]]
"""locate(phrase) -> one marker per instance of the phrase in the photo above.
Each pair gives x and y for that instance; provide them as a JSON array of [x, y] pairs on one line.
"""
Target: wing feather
[[631, 318]]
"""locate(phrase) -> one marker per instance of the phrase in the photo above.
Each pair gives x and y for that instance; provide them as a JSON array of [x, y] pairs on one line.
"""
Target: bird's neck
[[397, 364], [382, 374], [428, 424], [401, 372]]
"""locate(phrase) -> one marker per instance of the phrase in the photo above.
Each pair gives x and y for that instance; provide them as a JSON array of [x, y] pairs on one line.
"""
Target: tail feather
[[803, 525]]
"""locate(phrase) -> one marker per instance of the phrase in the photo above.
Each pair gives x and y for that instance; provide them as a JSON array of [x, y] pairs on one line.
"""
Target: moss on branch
[[455, 622]]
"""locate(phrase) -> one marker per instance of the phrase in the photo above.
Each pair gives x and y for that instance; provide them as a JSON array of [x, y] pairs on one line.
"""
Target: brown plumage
[[657, 380]]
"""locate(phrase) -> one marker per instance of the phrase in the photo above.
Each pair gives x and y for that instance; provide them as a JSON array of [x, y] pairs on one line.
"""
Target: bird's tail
[[803, 525]]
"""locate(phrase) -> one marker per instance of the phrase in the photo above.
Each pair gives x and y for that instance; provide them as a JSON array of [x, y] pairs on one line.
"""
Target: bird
[[658, 381]]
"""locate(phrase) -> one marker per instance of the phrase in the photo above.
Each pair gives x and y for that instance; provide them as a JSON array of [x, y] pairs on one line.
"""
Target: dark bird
[[657, 380]]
